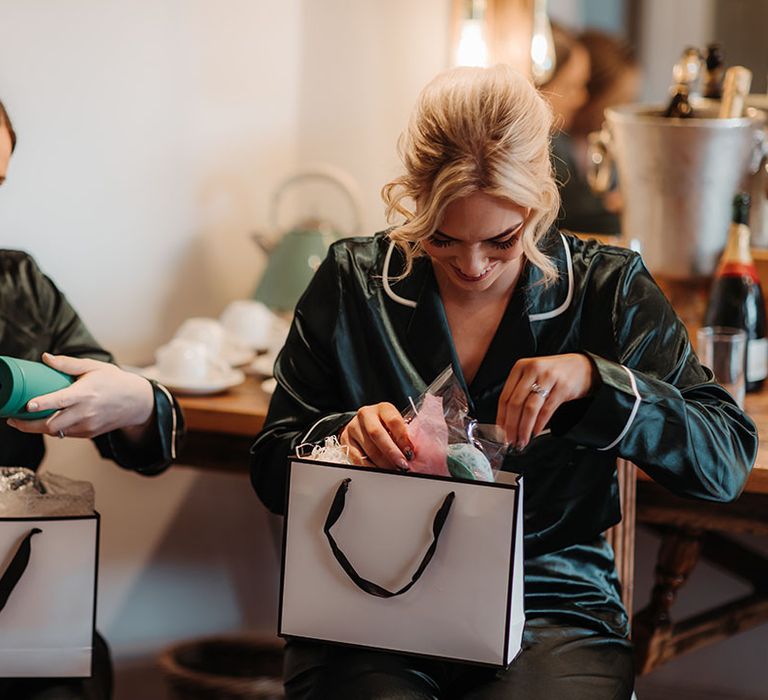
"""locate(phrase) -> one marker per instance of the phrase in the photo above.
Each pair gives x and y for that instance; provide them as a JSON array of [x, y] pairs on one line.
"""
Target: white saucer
[[218, 382], [263, 365], [236, 357]]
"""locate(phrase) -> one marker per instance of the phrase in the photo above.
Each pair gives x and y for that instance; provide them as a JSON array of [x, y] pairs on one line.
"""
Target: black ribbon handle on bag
[[337, 508], [17, 567]]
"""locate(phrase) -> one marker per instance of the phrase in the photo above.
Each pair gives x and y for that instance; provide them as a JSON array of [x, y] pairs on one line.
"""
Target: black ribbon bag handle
[[337, 508], [17, 567]]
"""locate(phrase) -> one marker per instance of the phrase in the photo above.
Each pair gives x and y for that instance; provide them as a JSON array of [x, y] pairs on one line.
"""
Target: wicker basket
[[225, 668]]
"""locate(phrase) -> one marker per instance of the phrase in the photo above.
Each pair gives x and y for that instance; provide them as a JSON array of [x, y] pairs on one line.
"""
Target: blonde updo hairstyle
[[473, 129]]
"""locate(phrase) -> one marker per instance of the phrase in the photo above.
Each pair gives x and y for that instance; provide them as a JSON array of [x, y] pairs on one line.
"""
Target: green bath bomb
[[466, 461]]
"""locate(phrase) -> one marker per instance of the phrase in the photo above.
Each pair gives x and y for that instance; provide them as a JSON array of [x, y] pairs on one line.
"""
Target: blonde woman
[[569, 346]]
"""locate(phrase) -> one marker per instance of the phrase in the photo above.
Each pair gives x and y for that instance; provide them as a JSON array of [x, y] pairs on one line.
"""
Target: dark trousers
[[557, 663], [98, 687]]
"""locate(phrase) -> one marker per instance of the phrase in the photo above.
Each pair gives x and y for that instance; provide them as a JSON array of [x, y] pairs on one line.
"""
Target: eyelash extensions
[[500, 245]]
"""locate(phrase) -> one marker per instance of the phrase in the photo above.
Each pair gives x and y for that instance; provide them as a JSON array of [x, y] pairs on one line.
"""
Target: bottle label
[[738, 269], [757, 359]]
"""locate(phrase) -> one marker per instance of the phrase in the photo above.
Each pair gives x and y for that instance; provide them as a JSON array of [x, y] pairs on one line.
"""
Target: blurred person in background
[[614, 79], [593, 71], [133, 421]]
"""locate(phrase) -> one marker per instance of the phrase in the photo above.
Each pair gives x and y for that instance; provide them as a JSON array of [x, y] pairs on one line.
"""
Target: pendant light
[[472, 49], [542, 45]]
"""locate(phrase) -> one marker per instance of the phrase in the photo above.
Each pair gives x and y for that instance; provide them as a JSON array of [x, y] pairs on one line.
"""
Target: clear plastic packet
[[472, 450], [429, 431]]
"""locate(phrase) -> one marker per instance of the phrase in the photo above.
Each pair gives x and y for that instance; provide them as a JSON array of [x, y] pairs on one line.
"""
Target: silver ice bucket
[[678, 178]]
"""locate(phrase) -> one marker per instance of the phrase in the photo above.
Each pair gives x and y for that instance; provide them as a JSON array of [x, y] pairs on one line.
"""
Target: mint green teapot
[[296, 254]]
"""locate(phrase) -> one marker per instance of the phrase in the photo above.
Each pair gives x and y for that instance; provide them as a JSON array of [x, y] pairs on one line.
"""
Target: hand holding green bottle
[[93, 398], [23, 380]]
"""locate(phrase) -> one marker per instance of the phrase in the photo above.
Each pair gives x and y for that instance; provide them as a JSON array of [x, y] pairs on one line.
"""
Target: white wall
[[150, 136], [364, 65]]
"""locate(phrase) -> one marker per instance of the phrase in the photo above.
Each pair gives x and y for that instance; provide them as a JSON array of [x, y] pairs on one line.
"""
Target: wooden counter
[[239, 411], [221, 428]]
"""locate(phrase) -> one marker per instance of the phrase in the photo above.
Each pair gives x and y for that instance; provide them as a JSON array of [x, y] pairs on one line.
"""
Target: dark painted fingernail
[[403, 466], [408, 455]]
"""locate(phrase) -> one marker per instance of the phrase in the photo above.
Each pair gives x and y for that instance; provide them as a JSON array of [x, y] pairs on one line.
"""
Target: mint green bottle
[[22, 380]]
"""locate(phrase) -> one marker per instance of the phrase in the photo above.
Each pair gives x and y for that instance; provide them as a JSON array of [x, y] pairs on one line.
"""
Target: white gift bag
[[409, 563], [48, 571]]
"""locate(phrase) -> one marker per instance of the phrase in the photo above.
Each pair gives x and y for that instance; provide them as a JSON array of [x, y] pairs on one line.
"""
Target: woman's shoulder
[[361, 246], [14, 259], [361, 254], [591, 249], [588, 270], [17, 267], [599, 259], [25, 291]]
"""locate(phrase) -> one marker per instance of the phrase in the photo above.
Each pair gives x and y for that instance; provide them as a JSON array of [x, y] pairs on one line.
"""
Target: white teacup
[[207, 331], [251, 321], [186, 360]]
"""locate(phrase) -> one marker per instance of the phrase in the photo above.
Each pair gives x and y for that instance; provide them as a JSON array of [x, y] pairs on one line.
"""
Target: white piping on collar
[[632, 414], [568, 297], [387, 289], [533, 317]]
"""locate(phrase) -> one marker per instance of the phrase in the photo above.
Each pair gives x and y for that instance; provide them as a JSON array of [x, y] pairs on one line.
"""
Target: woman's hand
[[536, 388], [378, 435], [102, 398]]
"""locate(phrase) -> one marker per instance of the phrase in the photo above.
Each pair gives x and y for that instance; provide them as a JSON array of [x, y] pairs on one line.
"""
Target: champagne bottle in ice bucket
[[677, 177], [685, 75], [22, 380], [736, 299]]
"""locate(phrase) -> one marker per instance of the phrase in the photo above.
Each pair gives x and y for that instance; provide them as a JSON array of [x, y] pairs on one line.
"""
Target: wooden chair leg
[[622, 536], [652, 627]]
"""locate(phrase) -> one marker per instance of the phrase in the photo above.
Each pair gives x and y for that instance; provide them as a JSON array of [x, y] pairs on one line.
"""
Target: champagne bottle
[[713, 75], [685, 75], [736, 299]]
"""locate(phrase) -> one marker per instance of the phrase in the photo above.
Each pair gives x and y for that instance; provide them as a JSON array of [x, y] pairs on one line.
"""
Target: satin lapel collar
[[550, 308], [417, 315]]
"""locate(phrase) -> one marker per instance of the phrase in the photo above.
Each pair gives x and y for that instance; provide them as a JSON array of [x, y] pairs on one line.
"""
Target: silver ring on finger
[[61, 435], [536, 388]]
